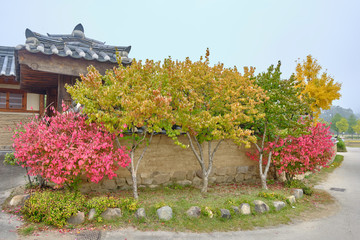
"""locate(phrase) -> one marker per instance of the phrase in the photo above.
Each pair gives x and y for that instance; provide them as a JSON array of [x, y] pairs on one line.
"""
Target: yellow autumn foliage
[[320, 89]]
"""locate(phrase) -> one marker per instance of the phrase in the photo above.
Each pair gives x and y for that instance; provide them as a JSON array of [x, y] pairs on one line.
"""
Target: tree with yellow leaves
[[320, 89]]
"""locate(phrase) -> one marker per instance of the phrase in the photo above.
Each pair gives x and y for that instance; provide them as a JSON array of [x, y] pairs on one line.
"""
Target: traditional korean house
[[45, 63], [15, 104], [33, 75]]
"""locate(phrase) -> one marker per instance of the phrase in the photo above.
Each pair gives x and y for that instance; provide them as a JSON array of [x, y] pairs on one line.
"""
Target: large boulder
[[92, 214], [140, 213], [279, 205], [18, 200], [165, 213], [111, 214], [225, 213], [260, 206], [235, 209], [291, 199], [76, 219], [298, 193], [245, 209], [194, 211]]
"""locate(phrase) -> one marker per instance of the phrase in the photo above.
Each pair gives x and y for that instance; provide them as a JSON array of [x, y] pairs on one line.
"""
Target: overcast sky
[[242, 33]]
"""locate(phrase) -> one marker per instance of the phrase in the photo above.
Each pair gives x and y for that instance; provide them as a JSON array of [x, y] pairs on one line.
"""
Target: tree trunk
[[135, 189], [200, 157], [205, 184], [263, 182]]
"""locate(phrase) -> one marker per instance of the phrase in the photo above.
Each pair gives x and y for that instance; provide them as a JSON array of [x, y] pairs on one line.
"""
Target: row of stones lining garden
[[183, 178], [165, 213]]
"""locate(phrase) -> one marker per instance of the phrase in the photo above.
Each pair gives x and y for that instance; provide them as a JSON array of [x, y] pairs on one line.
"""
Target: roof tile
[[76, 45]]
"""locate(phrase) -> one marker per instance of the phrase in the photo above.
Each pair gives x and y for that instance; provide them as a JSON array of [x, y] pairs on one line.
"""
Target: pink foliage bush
[[64, 147], [297, 155]]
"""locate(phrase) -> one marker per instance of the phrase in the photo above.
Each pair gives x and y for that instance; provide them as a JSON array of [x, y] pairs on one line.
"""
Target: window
[[12, 100]]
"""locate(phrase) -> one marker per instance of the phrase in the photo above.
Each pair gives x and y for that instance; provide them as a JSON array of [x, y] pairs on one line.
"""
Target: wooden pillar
[[63, 95], [41, 105], [51, 100]]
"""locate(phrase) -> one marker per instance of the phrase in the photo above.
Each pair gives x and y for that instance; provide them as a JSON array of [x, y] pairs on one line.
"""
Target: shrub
[[271, 195], [100, 204], [129, 204], [299, 184], [309, 152], [10, 159], [64, 147], [341, 147], [53, 208]]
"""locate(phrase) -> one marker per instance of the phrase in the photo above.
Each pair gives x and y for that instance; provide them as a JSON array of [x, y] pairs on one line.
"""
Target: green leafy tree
[[352, 122], [211, 104], [342, 125], [356, 127], [135, 100], [334, 120], [282, 110]]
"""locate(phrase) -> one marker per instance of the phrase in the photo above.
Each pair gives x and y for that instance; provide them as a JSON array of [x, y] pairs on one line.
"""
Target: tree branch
[[194, 151]]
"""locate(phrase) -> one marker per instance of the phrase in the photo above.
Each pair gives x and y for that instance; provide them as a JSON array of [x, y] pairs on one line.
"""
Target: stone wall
[[9, 120], [165, 163]]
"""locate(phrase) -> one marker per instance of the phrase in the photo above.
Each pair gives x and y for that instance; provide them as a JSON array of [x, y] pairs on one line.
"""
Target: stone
[[212, 180], [179, 175], [165, 213], [235, 209], [291, 199], [230, 179], [190, 175], [145, 175], [129, 180], [153, 186], [225, 213], [125, 187], [298, 193], [109, 184], [140, 213], [245, 209], [279, 205], [92, 214], [239, 177], [193, 211], [19, 200], [253, 169], [242, 169], [197, 181], [221, 179], [161, 178], [184, 182], [247, 176], [231, 171], [260, 206], [111, 213], [222, 171], [120, 181], [199, 174], [79, 218], [147, 181]]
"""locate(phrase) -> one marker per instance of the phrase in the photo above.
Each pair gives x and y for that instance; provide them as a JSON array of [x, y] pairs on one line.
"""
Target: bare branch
[[143, 152], [194, 150]]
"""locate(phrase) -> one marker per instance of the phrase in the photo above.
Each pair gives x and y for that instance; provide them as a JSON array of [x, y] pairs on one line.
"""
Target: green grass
[[219, 196], [28, 230]]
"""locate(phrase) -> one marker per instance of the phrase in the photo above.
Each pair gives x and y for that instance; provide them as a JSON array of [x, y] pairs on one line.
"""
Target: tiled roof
[[75, 45], [7, 61]]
